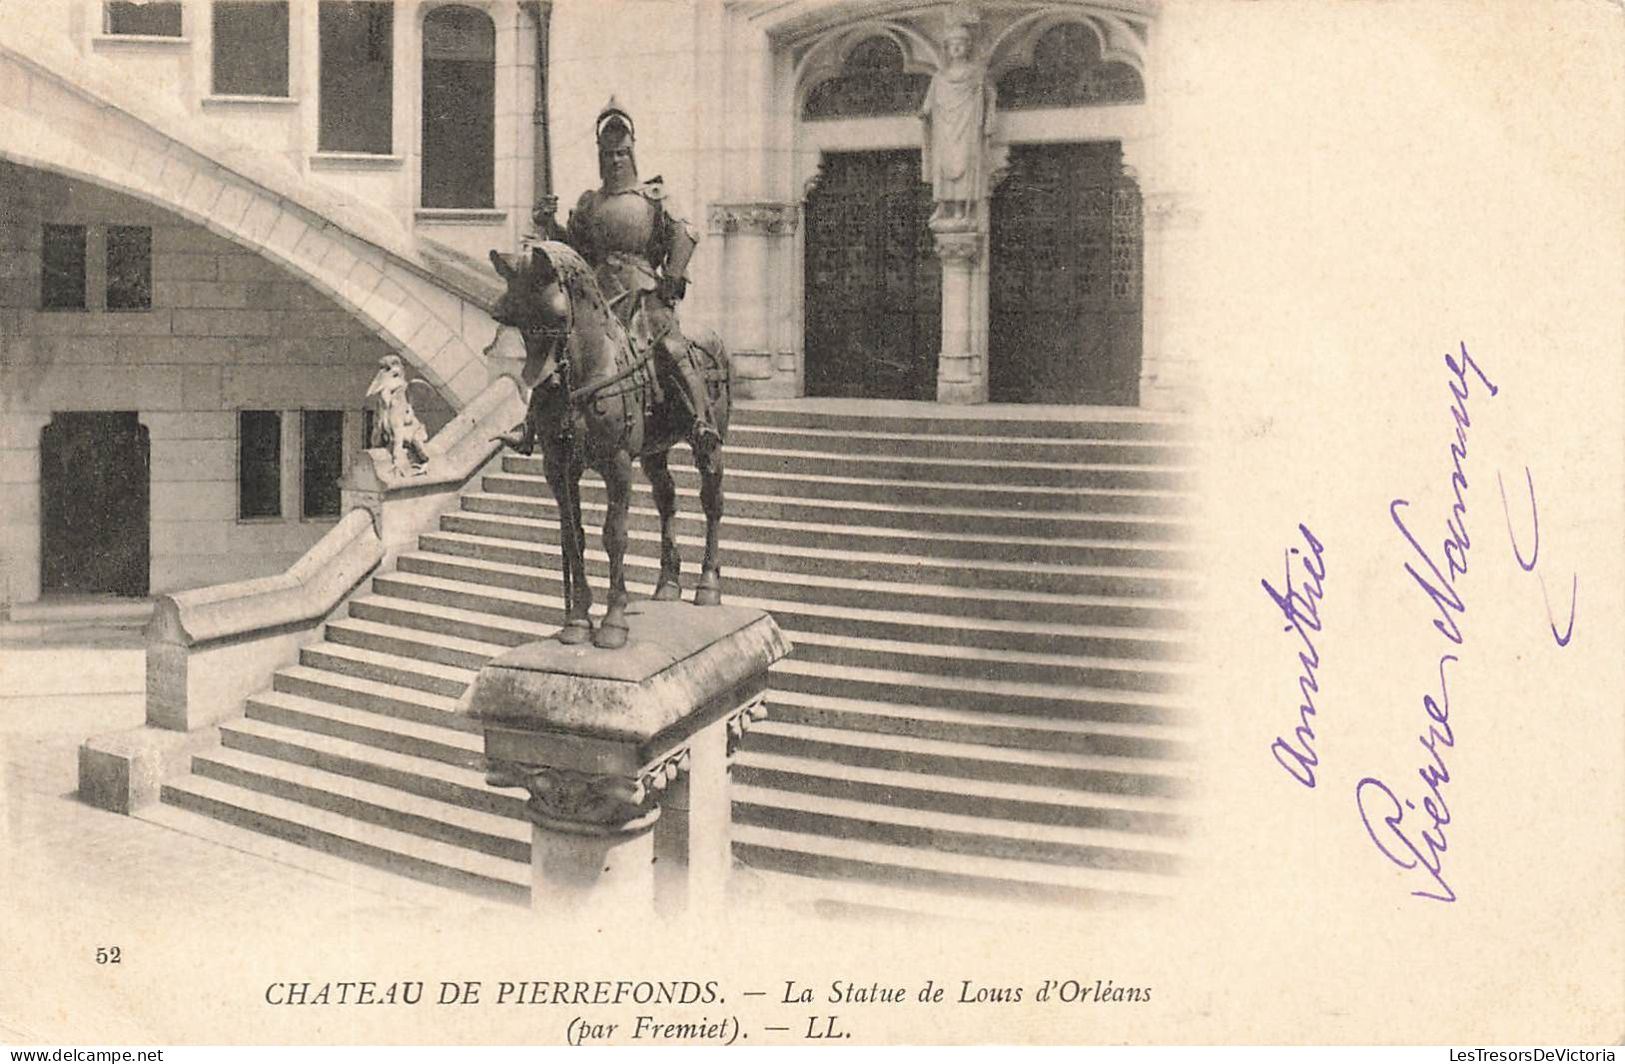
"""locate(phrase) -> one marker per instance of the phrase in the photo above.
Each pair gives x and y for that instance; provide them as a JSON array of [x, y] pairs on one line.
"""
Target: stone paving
[[76, 877]]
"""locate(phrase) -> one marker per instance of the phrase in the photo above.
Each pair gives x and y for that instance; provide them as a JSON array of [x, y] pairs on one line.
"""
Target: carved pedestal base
[[625, 754]]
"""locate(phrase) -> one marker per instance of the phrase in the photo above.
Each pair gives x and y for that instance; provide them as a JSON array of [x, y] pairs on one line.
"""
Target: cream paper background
[[1368, 185]]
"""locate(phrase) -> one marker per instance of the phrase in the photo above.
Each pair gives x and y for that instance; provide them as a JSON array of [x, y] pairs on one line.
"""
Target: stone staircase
[[985, 698]]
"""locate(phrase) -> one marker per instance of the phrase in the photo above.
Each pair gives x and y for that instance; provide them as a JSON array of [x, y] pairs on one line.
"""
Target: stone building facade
[[318, 181]]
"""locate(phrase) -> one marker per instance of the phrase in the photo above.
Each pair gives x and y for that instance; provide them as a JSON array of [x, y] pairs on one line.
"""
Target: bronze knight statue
[[615, 378], [639, 252]]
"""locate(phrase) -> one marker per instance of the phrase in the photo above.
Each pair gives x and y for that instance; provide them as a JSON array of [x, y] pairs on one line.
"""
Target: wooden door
[[874, 290]]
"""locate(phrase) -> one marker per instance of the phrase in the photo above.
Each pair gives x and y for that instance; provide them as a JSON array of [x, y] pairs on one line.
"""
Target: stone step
[[986, 728], [427, 777], [951, 833], [644, 547], [949, 445], [964, 468], [397, 670], [842, 591], [379, 731], [1023, 422], [1007, 665], [536, 521], [936, 519], [1019, 700], [804, 853], [371, 803], [354, 875], [1059, 770], [441, 647], [800, 620], [900, 492], [374, 696], [991, 799], [399, 852]]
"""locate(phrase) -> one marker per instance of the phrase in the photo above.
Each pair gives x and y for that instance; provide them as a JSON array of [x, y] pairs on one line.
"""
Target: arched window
[[872, 81], [459, 108], [1068, 71]]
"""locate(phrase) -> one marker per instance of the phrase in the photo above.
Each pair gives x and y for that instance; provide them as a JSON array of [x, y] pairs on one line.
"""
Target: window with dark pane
[[143, 20], [251, 47], [259, 463], [357, 63], [872, 82], [62, 267], [1069, 70], [459, 108], [369, 424], [129, 267], [323, 448]]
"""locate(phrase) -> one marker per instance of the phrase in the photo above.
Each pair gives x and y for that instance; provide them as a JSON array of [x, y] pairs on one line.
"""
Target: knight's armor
[[640, 254]]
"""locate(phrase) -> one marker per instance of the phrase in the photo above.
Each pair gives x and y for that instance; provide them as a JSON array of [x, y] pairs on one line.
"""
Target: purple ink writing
[[1299, 605], [1406, 845]]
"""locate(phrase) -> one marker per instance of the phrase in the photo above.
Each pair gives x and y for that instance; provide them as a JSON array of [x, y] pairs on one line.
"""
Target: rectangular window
[[259, 463], [369, 423], [323, 447], [62, 267], [144, 19], [357, 73], [251, 47], [129, 267]]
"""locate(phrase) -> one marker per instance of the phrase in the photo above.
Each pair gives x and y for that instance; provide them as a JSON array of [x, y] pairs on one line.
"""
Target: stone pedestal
[[625, 754]]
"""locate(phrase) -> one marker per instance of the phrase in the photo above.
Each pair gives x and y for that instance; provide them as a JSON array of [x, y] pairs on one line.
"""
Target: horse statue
[[597, 402]]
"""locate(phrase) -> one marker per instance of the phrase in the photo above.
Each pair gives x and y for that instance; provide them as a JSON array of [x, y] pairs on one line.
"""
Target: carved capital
[[741, 719], [759, 218], [588, 803], [959, 246]]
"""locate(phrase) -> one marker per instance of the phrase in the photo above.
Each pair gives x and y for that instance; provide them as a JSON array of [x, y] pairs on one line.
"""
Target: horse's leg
[[670, 586], [618, 484], [564, 478], [708, 460]]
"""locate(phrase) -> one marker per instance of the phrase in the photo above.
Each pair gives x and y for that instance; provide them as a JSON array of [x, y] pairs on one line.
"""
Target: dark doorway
[[874, 302], [94, 504], [1065, 291]]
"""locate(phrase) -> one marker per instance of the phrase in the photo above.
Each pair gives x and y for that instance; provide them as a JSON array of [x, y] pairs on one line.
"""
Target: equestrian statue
[[614, 378]]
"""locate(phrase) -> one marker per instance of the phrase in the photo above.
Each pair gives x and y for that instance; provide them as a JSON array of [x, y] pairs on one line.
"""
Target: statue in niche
[[957, 117]]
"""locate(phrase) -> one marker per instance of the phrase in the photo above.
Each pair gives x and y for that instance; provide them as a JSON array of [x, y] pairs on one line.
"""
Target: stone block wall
[[228, 330]]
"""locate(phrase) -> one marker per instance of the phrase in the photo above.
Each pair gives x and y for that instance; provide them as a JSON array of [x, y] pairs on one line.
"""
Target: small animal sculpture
[[395, 424]]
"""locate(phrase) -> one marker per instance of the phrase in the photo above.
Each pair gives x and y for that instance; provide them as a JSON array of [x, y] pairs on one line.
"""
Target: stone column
[[962, 363], [592, 838], [1168, 369], [756, 239], [625, 755], [20, 506]]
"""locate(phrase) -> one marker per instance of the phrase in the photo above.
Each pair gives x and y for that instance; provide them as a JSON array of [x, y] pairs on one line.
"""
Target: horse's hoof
[[610, 636], [709, 593], [668, 591], [574, 633]]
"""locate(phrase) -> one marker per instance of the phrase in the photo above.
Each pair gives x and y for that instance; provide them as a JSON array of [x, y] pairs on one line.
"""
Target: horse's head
[[535, 301]]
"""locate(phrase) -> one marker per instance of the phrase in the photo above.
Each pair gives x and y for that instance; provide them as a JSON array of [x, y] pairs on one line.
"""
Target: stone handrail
[[308, 590], [456, 452]]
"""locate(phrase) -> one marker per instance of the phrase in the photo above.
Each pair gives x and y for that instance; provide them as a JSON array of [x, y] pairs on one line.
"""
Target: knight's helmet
[[617, 166]]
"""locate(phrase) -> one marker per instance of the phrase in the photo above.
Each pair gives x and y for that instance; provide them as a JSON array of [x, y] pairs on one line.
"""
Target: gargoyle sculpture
[[395, 424]]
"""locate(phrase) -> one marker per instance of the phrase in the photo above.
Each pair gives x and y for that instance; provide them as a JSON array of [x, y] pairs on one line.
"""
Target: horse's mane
[[575, 275]]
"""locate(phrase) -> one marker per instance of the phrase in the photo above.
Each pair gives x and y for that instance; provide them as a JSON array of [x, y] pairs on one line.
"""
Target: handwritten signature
[[1300, 608], [1374, 798]]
